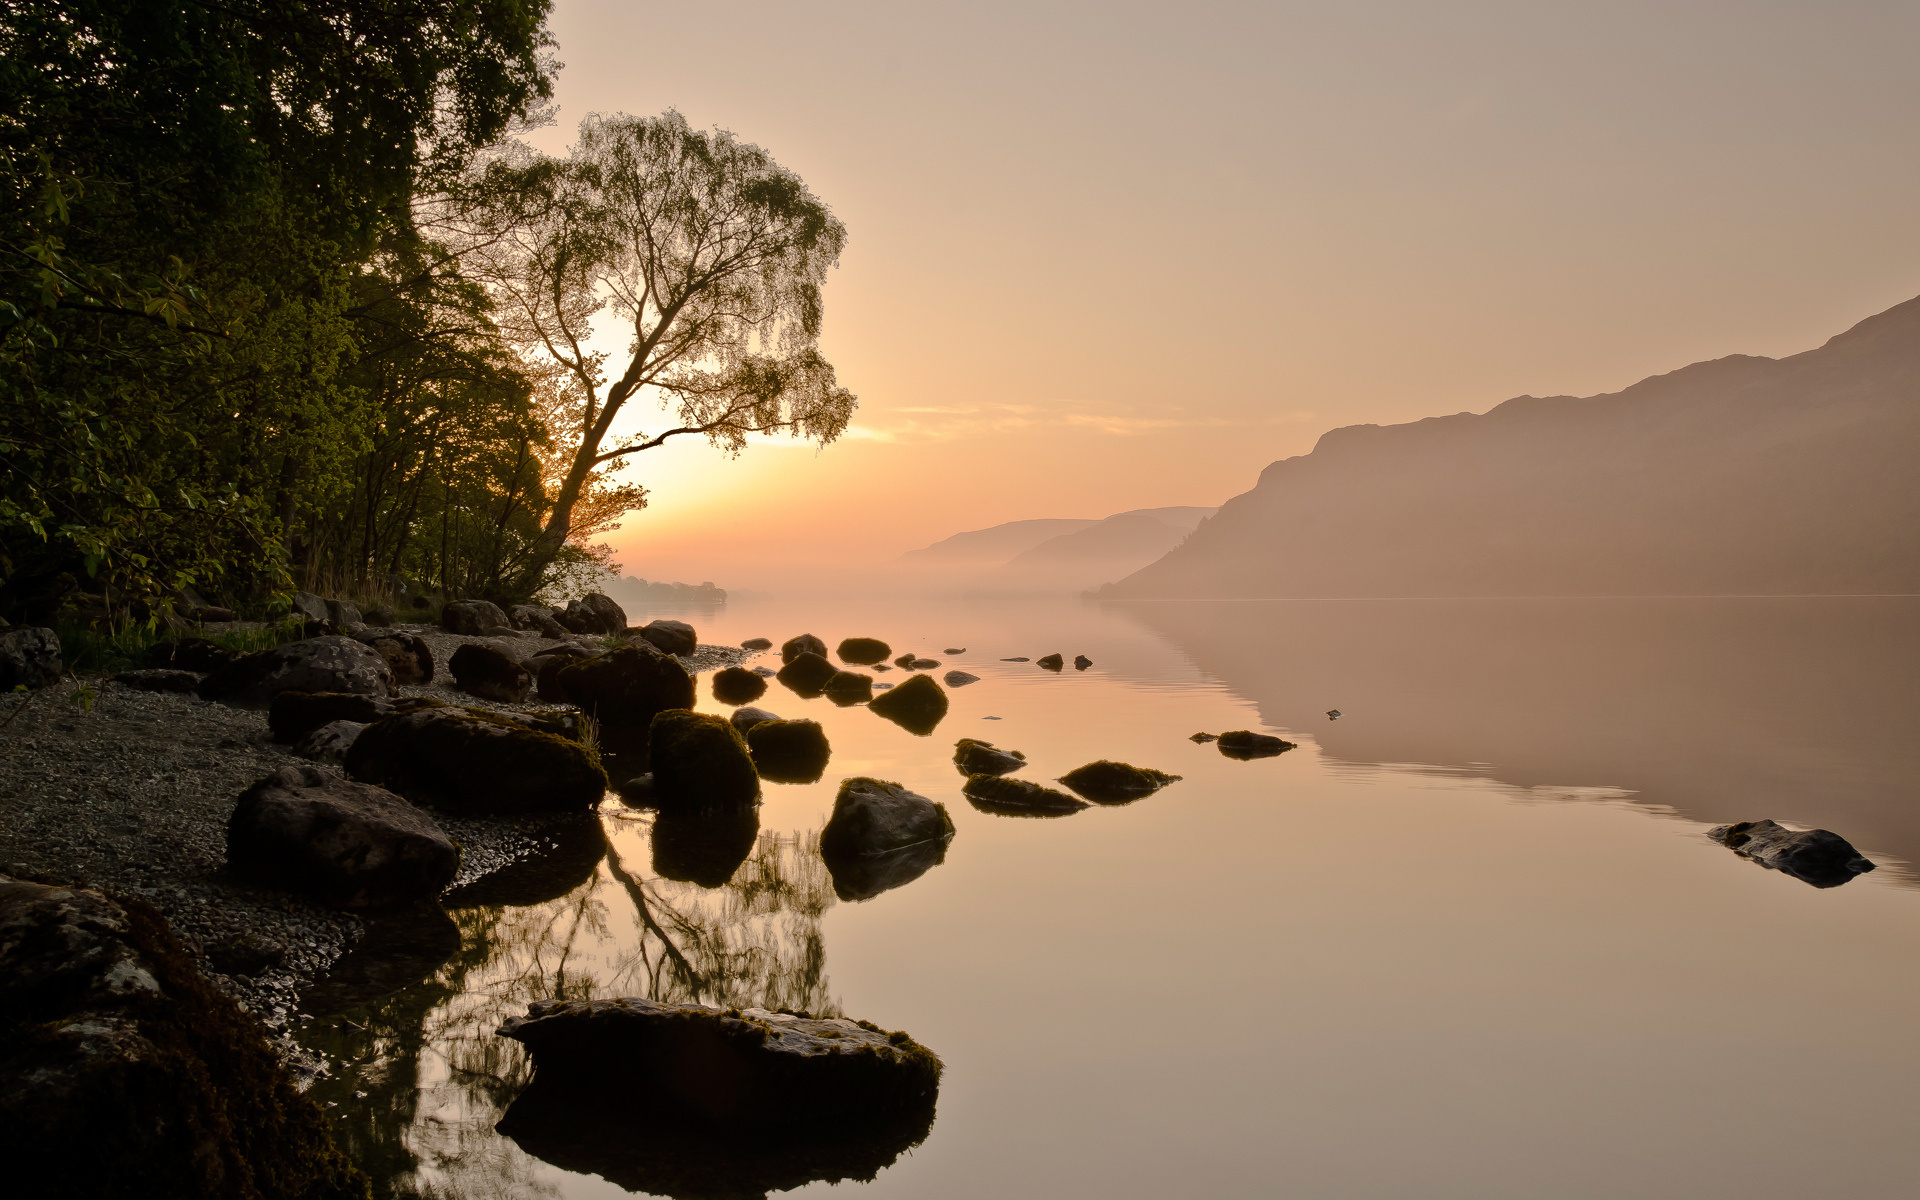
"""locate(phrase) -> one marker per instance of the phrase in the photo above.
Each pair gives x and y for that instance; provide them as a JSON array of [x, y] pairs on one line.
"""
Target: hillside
[[1742, 475], [996, 543]]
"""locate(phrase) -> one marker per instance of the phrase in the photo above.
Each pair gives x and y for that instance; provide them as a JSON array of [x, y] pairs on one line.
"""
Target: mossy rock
[[882, 836], [806, 643], [1052, 662], [703, 846], [1019, 797], [807, 673], [1245, 744], [471, 761], [627, 686], [789, 751], [489, 673], [1108, 782], [737, 685], [918, 705], [848, 688], [975, 757], [699, 759], [863, 650]]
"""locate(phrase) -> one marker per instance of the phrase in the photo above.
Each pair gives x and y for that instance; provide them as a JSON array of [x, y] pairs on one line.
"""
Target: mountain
[[1742, 475], [1142, 535], [995, 544]]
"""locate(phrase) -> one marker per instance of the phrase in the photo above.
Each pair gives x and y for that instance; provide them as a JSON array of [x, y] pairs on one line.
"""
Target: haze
[[1110, 257]]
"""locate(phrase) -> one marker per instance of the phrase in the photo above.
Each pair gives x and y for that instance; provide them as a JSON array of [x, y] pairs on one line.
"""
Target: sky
[[1124, 255]]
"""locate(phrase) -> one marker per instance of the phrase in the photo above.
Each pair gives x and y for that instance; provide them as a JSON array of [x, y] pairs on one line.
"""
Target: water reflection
[[1798, 709], [703, 846]]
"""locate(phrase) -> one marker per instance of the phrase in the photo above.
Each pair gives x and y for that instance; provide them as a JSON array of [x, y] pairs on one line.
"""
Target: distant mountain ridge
[[997, 543], [1741, 475]]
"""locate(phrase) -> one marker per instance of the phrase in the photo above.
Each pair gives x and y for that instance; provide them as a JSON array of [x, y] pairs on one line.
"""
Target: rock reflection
[[418, 1079], [858, 877], [703, 846]]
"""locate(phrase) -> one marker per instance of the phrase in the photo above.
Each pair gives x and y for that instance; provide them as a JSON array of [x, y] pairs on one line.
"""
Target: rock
[[1052, 662], [212, 614], [883, 666], [308, 606], [904, 661], [700, 759], [757, 644], [917, 705], [764, 672], [923, 664], [703, 846], [807, 673], [247, 953], [863, 650], [1108, 782], [875, 825], [881, 687], [536, 618], [566, 857], [1081, 662], [472, 618], [546, 666], [408, 655], [788, 751], [1016, 660], [306, 829], [736, 685], [638, 791], [190, 654], [1814, 856], [503, 631], [848, 687], [124, 1072], [1018, 797], [975, 757], [328, 745], [30, 657], [469, 762], [956, 679], [952, 650], [627, 686], [1203, 738], [293, 715], [1333, 714], [806, 643], [613, 619], [321, 664], [738, 1068], [671, 637], [489, 673], [158, 679], [344, 613], [381, 616], [1244, 744], [744, 719]]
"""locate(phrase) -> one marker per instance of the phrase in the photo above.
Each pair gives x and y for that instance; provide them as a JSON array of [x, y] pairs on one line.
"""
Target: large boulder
[[408, 655], [322, 664], [806, 643], [807, 673], [293, 715], [592, 614], [308, 607], [870, 841], [1108, 782], [737, 685], [124, 1072], [466, 761], [343, 613], [864, 650], [472, 618], [918, 705], [489, 673], [627, 686], [29, 657], [788, 751], [699, 759], [536, 618], [1019, 797], [546, 667], [305, 829], [1816, 856], [671, 637], [975, 757]]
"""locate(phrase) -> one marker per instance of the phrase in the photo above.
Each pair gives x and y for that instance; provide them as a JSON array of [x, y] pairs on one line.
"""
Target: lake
[[1467, 940]]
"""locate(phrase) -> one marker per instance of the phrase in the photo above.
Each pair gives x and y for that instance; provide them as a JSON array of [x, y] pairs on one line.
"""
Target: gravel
[[110, 787]]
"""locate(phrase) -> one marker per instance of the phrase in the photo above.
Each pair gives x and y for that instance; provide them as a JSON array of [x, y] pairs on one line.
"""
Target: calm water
[[1467, 941]]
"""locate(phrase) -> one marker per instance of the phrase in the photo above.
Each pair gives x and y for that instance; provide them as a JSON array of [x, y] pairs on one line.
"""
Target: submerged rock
[[955, 650], [1816, 856], [1245, 744], [671, 637], [848, 688], [471, 762], [975, 757], [489, 673], [627, 686], [124, 1072], [806, 673], [1019, 797], [699, 759], [703, 846], [882, 836], [806, 643], [917, 705], [1203, 738], [322, 664], [305, 829], [1108, 782], [736, 685], [923, 664], [956, 679], [789, 751], [1016, 660], [864, 650], [1052, 662]]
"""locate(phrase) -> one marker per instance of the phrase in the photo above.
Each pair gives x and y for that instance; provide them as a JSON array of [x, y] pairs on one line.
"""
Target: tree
[[713, 256]]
